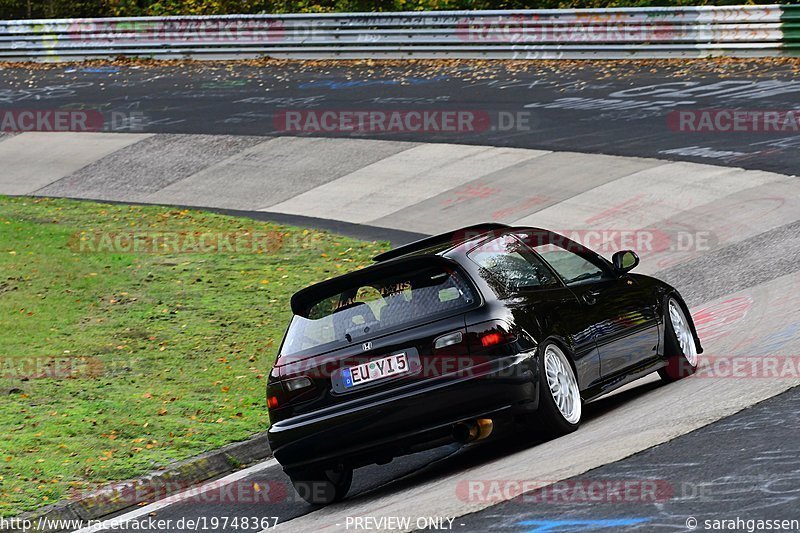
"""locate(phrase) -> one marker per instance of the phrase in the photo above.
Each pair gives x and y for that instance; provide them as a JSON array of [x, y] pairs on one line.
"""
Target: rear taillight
[[491, 338], [275, 397]]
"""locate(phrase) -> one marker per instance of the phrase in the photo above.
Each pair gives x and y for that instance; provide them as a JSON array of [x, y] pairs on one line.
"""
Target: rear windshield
[[376, 306]]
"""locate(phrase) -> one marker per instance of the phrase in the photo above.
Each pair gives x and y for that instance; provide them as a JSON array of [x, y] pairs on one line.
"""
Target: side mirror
[[625, 260]]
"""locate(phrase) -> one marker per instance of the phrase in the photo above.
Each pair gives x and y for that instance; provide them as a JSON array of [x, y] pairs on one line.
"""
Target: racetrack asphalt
[[744, 289], [620, 108], [745, 466]]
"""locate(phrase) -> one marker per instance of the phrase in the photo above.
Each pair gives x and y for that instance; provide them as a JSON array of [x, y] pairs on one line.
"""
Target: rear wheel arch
[[549, 420], [565, 347]]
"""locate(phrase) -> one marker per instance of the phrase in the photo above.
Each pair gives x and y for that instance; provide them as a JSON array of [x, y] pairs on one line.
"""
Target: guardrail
[[527, 34]]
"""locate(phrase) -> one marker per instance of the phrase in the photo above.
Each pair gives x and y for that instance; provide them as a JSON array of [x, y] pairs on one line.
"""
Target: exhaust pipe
[[473, 430]]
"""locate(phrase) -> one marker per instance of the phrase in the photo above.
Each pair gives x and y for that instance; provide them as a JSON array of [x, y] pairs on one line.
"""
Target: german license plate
[[374, 370]]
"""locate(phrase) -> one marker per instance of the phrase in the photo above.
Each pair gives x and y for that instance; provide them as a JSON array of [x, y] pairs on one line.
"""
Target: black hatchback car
[[452, 337]]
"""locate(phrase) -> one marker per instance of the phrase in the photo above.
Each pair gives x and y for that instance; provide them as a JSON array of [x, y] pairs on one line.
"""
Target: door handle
[[590, 297]]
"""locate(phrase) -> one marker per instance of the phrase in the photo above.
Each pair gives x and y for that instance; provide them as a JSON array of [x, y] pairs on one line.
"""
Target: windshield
[[376, 306]]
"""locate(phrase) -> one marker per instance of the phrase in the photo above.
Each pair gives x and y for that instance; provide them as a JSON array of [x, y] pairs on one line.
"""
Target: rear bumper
[[393, 423]]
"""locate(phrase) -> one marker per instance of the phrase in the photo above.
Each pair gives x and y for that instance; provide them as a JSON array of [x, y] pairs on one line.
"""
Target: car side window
[[507, 261], [573, 262]]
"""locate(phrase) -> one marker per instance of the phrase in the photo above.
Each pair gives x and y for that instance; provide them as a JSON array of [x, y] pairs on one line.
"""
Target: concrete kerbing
[[123, 495], [363, 232], [692, 198]]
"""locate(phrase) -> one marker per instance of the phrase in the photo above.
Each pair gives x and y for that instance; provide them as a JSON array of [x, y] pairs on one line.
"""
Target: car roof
[[441, 247], [441, 243]]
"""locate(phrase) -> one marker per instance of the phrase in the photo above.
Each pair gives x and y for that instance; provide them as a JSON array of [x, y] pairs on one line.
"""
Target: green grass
[[169, 353]]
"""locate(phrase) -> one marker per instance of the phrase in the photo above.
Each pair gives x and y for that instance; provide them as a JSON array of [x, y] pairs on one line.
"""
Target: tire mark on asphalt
[[748, 263]]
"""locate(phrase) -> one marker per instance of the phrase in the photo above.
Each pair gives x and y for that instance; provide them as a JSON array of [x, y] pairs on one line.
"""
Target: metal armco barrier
[[527, 34]]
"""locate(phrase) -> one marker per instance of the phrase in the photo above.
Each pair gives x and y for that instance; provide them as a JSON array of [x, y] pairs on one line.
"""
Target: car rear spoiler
[[455, 237], [302, 299]]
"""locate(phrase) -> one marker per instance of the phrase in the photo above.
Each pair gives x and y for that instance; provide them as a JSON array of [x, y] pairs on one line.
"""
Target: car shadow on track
[[397, 477]]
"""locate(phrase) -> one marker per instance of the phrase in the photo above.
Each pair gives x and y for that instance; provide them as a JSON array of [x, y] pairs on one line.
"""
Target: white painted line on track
[[177, 498]]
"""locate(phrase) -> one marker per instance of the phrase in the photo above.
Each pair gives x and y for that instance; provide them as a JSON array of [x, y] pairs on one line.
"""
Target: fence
[[527, 34]]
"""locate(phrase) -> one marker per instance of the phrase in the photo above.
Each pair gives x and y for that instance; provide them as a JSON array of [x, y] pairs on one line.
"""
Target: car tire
[[679, 344], [560, 403], [322, 486]]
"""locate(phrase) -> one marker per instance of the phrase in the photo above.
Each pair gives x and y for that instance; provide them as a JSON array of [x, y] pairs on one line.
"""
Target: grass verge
[[113, 363]]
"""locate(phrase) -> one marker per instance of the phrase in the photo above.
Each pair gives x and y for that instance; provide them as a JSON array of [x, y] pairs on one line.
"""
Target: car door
[[539, 301], [623, 313]]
